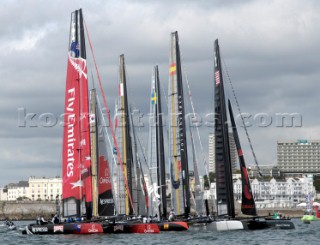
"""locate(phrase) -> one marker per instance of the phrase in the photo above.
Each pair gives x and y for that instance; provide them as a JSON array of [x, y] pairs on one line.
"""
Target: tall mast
[[85, 148], [161, 159], [161, 171], [224, 185], [178, 153], [153, 151], [103, 202], [94, 152], [247, 205], [127, 146]]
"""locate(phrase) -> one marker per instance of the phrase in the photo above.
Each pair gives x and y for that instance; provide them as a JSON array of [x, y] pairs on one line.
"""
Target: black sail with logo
[[247, 205]]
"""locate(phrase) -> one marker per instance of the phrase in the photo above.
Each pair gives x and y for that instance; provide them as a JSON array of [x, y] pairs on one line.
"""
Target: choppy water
[[303, 234]]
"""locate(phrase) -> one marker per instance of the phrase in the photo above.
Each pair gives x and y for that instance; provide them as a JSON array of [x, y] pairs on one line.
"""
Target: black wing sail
[[224, 184], [160, 148], [248, 205]]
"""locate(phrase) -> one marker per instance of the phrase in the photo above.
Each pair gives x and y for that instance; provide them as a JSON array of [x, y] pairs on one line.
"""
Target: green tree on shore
[[316, 183]]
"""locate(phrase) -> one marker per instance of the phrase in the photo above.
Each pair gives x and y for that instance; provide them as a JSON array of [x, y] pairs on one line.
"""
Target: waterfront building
[[45, 188], [17, 190], [3, 194], [300, 156], [265, 170], [274, 193]]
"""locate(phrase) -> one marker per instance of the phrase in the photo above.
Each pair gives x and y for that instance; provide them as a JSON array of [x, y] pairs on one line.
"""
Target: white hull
[[225, 225]]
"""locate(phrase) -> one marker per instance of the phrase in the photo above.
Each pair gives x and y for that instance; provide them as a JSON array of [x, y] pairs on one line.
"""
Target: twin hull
[[91, 228], [251, 224]]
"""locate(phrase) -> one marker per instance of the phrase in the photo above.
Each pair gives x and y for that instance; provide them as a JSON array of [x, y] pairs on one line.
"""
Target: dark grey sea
[[303, 234]]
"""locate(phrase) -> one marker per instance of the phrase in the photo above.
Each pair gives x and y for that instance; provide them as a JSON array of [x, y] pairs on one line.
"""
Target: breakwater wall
[[292, 213], [31, 210], [26, 210]]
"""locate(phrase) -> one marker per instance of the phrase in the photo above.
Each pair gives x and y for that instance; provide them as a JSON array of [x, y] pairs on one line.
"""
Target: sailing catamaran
[[158, 200], [128, 171], [178, 155], [85, 166], [224, 184], [134, 201]]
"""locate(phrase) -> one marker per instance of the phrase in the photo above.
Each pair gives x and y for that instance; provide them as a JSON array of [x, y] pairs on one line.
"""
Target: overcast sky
[[271, 49]]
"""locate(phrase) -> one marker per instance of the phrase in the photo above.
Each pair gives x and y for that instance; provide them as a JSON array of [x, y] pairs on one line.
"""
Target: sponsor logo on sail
[[79, 65], [105, 201], [104, 180], [71, 121]]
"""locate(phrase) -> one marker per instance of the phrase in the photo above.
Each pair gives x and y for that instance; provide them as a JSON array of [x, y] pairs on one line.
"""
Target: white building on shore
[[35, 189], [17, 190], [3, 194], [45, 188], [274, 193]]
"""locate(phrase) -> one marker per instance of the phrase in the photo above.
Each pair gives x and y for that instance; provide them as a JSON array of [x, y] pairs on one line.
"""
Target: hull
[[140, 228], [259, 224], [308, 217], [225, 225], [173, 226], [90, 228], [63, 228], [12, 227]]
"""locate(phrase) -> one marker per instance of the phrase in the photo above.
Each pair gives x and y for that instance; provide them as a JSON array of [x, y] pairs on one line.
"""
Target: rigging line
[[243, 123], [106, 131], [148, 172], [109, 140], [92, 79], [141, 144], [194, 114], [142, 147], [109, 118]]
